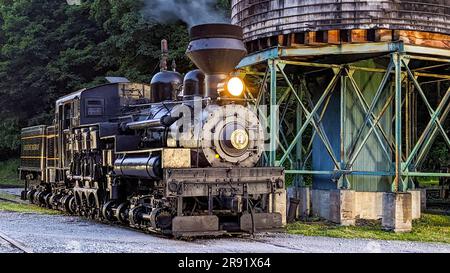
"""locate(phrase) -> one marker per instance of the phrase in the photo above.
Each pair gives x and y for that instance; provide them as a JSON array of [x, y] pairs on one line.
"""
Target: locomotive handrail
[[167, 102], [165, 121], [140, 151]]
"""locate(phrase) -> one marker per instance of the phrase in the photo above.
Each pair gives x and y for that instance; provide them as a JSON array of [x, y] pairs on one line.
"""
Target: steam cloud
[[192, 12]]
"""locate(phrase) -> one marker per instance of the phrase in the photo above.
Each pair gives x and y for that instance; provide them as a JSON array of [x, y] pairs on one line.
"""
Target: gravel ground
[[59, 233], [13, 191]]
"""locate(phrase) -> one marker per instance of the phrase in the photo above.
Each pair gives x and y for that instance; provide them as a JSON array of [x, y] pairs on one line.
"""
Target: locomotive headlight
[[239, 139], [235, 86]]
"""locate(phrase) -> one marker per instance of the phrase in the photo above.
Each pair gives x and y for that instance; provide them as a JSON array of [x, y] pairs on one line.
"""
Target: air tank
[[267, 18], [193, 84]]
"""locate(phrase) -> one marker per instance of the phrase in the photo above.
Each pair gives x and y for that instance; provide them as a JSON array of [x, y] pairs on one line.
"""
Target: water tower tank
[[269, 18]]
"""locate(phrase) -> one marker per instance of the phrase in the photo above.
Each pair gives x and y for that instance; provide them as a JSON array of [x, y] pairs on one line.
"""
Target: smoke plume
[[192, 12]]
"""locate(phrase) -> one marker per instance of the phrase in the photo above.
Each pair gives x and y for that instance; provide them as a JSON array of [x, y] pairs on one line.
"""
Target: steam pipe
[[165, 121], [138, 125], [164, 55]]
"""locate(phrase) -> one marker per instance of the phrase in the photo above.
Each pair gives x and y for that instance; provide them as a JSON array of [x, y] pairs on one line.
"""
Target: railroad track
[[15, 243], [10, 200], [10, 240]]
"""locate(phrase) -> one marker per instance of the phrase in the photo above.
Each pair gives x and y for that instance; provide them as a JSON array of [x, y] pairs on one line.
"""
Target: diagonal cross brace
[[423, 153], [365, 107], [431, 125], [356, 152], [262, 115], [375, 100], [427, 104], [322, 114], [309, 115], [318, 129]]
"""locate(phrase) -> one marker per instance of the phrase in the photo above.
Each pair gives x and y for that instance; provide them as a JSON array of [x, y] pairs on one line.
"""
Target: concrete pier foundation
[[397, 212], [345, 206], [337, 206], [342, 207], [416, 203]]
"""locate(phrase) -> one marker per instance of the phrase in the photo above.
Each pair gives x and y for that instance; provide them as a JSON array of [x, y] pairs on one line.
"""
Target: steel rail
[[15, 243]]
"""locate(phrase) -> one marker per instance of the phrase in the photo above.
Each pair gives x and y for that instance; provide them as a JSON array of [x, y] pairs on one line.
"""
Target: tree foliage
[[49, 48]]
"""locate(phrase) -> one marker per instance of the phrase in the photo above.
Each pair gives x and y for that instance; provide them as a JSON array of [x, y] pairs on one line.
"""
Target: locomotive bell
[[216, 49], [165, 84]]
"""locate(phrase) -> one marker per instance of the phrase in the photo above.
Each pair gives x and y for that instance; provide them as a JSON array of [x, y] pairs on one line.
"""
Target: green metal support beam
[[273, 113], [398, 121], [327, 91], [309, 113]]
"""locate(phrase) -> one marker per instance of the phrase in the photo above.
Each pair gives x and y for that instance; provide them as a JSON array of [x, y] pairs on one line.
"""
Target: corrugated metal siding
[[371, 157], [265, 18]]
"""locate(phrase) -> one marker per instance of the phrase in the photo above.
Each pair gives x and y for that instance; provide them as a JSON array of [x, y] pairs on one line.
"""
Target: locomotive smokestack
[[216, 49]]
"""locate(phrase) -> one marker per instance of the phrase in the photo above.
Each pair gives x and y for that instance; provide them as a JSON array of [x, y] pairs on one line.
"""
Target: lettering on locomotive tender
[[31, 147], [179, 156]]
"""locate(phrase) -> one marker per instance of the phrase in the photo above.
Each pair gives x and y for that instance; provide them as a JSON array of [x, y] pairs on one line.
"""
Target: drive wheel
[[134, 215], [122, 213], [47, 199], [162, 219], [30, 196], [69, 204], [107, 211]]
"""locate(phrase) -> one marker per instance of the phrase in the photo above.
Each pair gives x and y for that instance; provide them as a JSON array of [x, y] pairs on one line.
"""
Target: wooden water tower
[[357, 91]]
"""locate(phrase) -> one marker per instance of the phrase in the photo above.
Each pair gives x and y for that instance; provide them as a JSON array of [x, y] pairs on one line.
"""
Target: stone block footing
[[397, 212]]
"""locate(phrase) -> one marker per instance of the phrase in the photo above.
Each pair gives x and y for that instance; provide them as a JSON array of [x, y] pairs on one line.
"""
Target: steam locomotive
[[179, 156]]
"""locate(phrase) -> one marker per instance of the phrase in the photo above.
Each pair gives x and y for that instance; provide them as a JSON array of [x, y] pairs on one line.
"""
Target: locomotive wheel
[[47, 199], [23, 195], [63, 201], [69, 204], [161, 219], [30, 195], [72, 205], [122, 213], [35, 197], [134, 215], [52, 200], [107, 210], [39, 198]]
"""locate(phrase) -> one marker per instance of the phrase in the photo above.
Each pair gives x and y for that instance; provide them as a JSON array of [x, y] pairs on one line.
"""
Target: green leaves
[[49, 48]]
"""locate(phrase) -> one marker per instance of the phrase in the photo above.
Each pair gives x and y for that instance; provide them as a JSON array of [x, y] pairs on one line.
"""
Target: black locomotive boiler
[[178, 156]]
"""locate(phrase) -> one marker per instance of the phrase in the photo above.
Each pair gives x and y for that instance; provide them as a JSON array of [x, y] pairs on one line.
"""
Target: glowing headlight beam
[[235, 86]]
